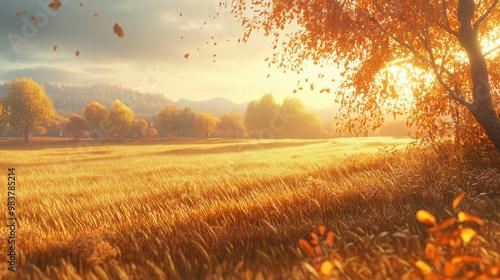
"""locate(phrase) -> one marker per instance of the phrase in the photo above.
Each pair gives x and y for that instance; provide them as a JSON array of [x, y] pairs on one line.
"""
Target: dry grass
[[167, 209]]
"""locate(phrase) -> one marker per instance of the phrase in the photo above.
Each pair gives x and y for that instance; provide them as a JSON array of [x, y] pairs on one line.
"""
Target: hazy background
[[150, 57]]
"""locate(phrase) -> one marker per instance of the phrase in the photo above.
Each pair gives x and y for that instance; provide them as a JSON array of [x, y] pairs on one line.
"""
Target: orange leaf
[[443, 225], [55, 4], [322, 230], [431, 251], [466, 259], [81, 4], [55, 47], [304, 245], [329, 238], [118, 30], [186, 55], [180, 14], [457, 200], [464, 217], [318, 251], [425, 217], [451, 269], [315, 238], [17, 15], [467, 234], [95, 14], [77, 53], [35, 21]]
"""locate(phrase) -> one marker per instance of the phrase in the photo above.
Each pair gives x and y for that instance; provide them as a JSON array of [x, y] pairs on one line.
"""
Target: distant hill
[[70, 100], [217, 106]]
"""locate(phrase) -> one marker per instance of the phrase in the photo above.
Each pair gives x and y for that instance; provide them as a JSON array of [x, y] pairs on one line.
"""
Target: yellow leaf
[[464, 217], [327, 268], [425, 217], [467, 234], [425, 268]]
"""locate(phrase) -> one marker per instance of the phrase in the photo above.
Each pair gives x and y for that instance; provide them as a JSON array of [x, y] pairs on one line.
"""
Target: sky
[[150, 56]]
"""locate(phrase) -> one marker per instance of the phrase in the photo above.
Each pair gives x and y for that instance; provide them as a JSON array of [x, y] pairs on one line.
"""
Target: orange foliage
[[372, 42]]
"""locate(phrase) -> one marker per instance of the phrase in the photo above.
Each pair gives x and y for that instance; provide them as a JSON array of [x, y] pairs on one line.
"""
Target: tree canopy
[[121, 117], [231, 124], [28, 106], [438, 57], [205, 124]]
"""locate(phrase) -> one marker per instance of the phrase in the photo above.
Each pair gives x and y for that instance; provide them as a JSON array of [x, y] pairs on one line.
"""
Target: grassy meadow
[[236, 209]]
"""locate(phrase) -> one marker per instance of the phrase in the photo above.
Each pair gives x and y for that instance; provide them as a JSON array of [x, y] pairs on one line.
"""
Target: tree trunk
[[26, 132], [482, 106]]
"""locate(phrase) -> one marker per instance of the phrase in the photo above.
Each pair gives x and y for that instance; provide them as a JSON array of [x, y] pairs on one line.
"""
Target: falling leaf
[[443, 225], [55, 4], [95, 14], [312, 86], [182, 37], [327, 268], [55, 47], [294, 91], [467, 234], [77, 53], [214, 60], [329, 238], [17, 15], [81, 4], [180, 14], [304, 245], [464, 217], [215, 55], [457, 200], [35, 21], [88, 29], [186, 55], [425, 217], [268, 75], [425, 268], [118, 30]]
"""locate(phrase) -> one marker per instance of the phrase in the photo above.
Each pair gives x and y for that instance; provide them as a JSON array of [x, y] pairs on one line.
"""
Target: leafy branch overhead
[[430, 54]]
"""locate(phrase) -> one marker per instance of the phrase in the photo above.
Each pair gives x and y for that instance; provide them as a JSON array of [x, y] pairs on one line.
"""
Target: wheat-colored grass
[[169, 208]]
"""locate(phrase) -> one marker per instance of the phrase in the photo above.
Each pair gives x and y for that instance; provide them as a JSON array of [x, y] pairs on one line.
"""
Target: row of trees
[[26, 109]]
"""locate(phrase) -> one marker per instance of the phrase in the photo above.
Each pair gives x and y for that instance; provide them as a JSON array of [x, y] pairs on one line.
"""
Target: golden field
[[218, 209]]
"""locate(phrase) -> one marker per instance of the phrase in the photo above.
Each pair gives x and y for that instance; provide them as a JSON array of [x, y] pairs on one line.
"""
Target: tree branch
[[484, 16], [491, 51], [447, 27]]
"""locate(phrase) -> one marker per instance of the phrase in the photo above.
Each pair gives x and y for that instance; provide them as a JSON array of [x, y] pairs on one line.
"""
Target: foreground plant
[[454, 250]]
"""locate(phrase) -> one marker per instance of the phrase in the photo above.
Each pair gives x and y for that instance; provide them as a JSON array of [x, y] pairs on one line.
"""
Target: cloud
[[152, 39]]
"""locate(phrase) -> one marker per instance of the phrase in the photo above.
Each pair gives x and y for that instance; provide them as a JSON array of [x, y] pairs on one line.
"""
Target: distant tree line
[[27, 110]]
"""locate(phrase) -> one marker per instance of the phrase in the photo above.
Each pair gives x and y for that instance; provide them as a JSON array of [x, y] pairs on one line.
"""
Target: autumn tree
[[121, 117], [75, 126], [28, 105], [56, 125], [205, 124], [95, 114], [39, 131], [4, 114], [139, 129], [231, 124], [151, 133], [173, 120], [440, 56], [298, 122], [260, 112]]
